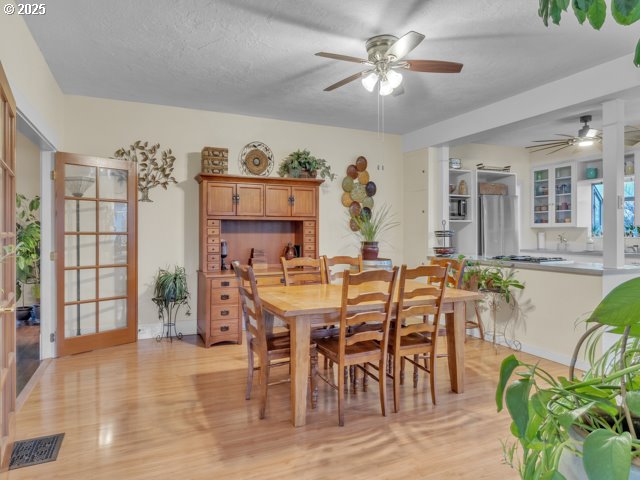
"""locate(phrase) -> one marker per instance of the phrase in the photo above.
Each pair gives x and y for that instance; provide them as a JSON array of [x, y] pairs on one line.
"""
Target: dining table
[[302, 307]]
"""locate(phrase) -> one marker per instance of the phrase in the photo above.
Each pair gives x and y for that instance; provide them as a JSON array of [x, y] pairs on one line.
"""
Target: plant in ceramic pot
[[27, 253], [585, 427], [301, 164], [171, 287], [371, 227]]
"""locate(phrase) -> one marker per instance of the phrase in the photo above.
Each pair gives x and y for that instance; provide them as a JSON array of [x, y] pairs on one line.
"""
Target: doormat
[[35, 450]]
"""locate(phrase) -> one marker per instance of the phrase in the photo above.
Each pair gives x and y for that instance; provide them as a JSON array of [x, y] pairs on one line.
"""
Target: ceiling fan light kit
[[385, 54]]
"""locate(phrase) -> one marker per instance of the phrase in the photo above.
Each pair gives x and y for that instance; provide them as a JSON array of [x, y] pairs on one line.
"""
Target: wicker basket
[[492, 189], [215, 160]]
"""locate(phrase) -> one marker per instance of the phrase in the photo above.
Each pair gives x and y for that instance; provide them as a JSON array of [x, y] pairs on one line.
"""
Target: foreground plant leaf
[[621, 307], [517, 400], [607, 455], [509, 364]]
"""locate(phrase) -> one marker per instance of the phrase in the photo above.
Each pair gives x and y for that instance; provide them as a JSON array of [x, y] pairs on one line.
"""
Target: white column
[[613, 183], [443, 157], [47, 267]]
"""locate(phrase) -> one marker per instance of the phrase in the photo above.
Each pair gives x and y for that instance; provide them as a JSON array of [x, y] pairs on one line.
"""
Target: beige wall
[[168, 227], [417, 211], [37, 93], [27, 166]]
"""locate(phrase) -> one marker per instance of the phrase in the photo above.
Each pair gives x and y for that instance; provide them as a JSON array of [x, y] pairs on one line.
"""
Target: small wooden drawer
[[309, 231], [213, 258], [214, 248], [224, 327], [213, 240], [213, 267], [309, 254], [309, 247], [219, 337], [213, 223], [224, 296], [309, 224], [309, 239], [225, 312], [230, 282], [213, 231]]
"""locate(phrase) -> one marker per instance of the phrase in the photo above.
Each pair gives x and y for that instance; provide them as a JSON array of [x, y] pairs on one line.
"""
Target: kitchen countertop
[[578, 268], [558, 253]]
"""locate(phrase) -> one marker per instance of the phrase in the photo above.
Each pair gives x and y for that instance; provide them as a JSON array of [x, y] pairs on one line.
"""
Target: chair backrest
[[303, 271], [426, 281], [354, 264], [367, 297], [251, 306], [456, 269]]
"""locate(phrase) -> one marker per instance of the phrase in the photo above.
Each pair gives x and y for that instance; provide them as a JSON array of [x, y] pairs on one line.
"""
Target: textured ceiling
[[255, 57]]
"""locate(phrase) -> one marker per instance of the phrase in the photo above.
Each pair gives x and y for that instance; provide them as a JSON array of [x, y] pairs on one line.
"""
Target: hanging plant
[[151, 171], [625, 12]]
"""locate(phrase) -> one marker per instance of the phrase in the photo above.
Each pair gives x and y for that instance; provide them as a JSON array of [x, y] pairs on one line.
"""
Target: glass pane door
[[541, 196], [98, 297], [563, 194]]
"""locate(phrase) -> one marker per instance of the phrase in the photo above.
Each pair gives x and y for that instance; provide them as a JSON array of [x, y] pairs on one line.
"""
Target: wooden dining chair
[[334, 275], [272, 349], [303, 271], [366, 298], [408, 341]]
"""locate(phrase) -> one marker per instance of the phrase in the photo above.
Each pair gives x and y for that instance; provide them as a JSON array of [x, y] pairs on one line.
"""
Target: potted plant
[[371, 226], [491, 278], [27, 252], [586, 427], [301, 164], [170, 292]]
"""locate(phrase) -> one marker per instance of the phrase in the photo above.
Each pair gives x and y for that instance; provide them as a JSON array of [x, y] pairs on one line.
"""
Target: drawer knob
[[224, 328], [225, 284], [224, 297], [224, 313]]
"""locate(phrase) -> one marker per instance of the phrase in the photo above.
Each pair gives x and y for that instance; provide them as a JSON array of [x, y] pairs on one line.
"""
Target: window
[[596, 208]]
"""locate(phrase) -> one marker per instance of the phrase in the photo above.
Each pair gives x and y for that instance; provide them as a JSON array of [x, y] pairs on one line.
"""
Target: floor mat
[[35, 450]]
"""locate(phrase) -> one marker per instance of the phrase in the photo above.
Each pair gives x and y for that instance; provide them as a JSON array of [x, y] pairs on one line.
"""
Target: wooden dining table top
[[298, 300]]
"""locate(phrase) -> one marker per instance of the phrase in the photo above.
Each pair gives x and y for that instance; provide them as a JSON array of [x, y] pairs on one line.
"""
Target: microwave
[[458, 208]]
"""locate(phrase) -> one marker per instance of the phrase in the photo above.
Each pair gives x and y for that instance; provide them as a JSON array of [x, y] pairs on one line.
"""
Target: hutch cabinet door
[[304, 201], [250, 200], [277, 203], [220, 198]]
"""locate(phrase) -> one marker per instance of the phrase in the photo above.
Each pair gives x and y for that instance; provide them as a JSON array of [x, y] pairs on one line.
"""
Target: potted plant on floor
[[170, 293], [27, 252], [371, 227], [586, 427], [301, 164]]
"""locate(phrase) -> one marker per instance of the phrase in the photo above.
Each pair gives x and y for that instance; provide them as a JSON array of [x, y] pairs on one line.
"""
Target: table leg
[[300, 337], [455, 323]]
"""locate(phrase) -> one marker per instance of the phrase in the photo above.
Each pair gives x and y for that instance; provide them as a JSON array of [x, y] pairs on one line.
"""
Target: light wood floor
[[177, 411]]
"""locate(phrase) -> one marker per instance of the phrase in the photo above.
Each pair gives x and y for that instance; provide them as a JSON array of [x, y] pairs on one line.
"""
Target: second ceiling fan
[[385, 57]]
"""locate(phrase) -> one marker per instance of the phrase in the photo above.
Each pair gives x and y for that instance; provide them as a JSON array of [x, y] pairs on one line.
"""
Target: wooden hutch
[[248, 212]]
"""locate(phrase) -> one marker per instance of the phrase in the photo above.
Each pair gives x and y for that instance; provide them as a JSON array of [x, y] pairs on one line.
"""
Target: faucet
[[562, 241]]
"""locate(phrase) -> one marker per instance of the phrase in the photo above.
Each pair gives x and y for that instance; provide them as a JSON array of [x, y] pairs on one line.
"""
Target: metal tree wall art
[[151, 171]]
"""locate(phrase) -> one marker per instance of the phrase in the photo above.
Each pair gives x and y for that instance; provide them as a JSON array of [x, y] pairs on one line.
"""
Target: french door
[[7, 271], [96, 244]]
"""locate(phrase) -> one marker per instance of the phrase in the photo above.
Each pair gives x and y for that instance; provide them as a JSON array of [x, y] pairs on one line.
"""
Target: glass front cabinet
[[554, 198]]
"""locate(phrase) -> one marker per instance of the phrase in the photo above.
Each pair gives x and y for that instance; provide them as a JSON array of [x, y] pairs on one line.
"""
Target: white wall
[[27, 166], [168, 227], [417, 208]]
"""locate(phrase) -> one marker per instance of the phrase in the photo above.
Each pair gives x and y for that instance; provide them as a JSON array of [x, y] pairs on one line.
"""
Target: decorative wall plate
[[347, 184], [346, 199], [256, 158], [361, 164], [352, 171]]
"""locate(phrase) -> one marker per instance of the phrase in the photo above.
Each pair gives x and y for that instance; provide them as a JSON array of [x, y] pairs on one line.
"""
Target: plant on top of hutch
[[151, 171], [301, 164], [371, 226]]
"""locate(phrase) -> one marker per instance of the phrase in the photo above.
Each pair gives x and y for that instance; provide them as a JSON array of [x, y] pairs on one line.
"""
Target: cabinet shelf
[[541, 196], [455, 195], [459, 221], [563, 178]]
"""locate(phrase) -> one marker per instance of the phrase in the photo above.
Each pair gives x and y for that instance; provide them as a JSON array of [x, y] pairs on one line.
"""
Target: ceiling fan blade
[[564, 135], [434, 66], [404, 45], [346, 58], [549, 141], [561, 148], [344, 81], [539, 148]]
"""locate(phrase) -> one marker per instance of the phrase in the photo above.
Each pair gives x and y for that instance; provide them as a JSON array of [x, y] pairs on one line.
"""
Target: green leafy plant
[[624, 12], [300, 161], [171, 287], [371, 227], [27, 249], [493, 278], [596, 416]]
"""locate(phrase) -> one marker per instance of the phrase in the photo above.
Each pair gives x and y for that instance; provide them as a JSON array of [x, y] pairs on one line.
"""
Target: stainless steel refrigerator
[[498, 232]]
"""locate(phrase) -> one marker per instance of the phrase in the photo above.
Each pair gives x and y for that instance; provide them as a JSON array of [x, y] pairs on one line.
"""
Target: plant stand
[[167, 313], [493, 297]]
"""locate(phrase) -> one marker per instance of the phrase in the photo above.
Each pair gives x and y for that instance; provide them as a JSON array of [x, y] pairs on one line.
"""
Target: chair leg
[[353, 370], [432, 378], [314, 378], [247, 395], [341, 387], [415, 371], [401, 370], [389, 364], [397, 362], [479, 320], [326, 363], [382, 386], [346, 377], [264, 387], [365, 377]]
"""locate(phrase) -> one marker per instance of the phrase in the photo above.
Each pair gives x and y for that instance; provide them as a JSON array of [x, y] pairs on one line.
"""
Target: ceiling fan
[[385, 57], [586, 137]]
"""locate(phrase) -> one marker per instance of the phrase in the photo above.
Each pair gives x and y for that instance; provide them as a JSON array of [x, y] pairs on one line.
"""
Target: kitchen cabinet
[[554, 195], [290, 201], [230, 199]]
